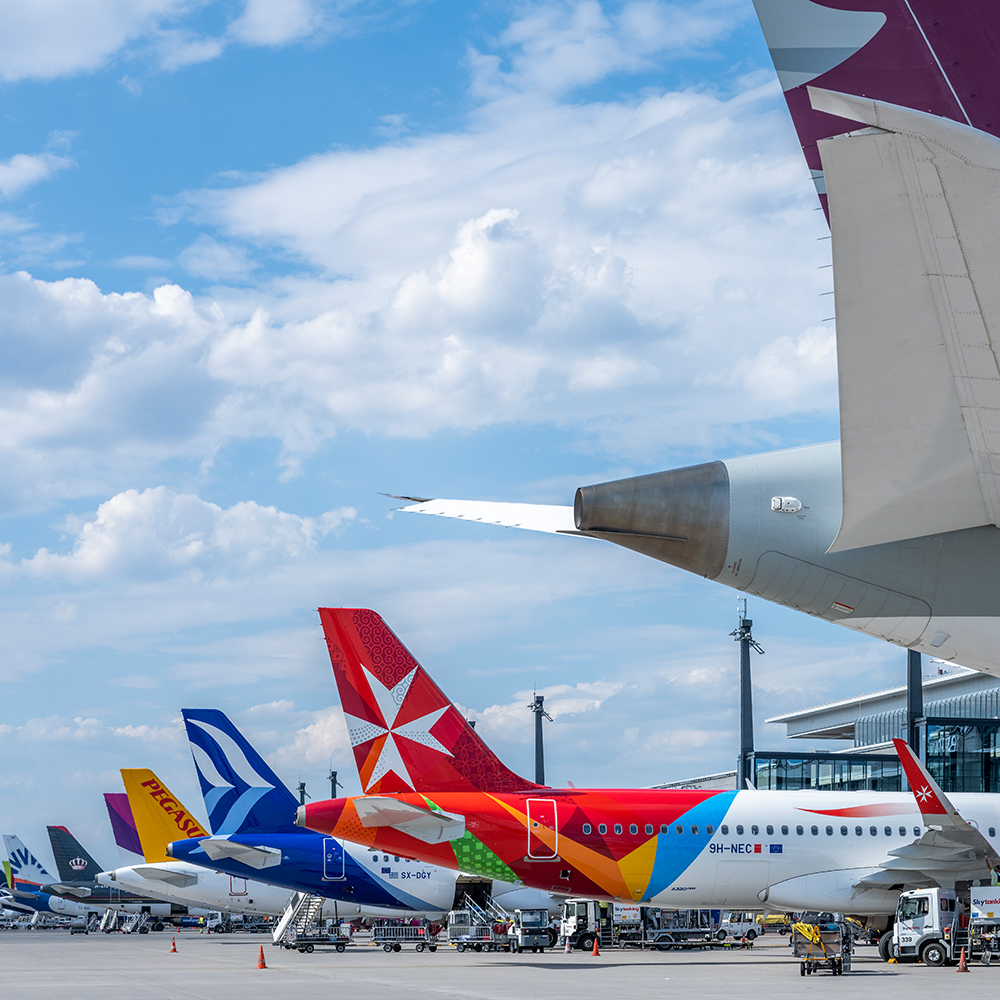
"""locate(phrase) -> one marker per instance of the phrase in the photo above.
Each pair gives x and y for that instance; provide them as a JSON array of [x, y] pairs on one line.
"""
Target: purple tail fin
[[940, 56], [123, 825]]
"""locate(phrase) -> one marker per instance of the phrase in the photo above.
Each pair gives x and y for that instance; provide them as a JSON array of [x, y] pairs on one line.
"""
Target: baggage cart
[[823, 945], [392, 936]]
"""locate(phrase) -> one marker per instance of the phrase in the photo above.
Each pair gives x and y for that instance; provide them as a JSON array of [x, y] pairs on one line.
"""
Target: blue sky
[[262, 261]]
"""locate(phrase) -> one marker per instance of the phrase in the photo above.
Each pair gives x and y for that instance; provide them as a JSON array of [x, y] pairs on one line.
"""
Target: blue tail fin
[[241, 792]]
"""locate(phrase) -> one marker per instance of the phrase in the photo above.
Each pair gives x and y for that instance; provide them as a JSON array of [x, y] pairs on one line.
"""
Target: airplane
[[891, 531], [152, 827], [27, 881], [252, 816], [433, 790], [236, 781]]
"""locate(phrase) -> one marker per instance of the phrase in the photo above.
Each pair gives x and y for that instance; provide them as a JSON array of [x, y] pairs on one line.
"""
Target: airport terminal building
[[958, 735]]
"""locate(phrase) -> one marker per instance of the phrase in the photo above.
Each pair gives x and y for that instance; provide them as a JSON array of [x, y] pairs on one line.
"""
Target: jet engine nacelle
[[835, 892]]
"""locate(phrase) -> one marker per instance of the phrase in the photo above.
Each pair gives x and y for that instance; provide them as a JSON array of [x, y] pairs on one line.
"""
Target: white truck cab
[[931, 925]]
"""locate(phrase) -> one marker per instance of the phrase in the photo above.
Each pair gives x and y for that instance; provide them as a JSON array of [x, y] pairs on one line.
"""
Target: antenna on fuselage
[[745, 762]]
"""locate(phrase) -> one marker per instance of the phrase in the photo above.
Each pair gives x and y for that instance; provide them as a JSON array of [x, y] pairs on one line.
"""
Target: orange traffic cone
[[963, 966], [566, 949], [173, 946], [597, 949], [261, 964]]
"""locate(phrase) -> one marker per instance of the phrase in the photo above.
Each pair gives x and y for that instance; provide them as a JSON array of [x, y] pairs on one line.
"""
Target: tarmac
[[224, 967]]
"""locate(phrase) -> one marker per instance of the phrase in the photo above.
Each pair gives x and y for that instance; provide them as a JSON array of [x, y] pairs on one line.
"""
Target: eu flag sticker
[[386, 871], [776, 848]]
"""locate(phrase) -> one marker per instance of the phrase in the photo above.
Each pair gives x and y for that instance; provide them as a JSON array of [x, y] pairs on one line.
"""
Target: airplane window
[[858, 831], [725, 830], [679, 828], [843, 831], [784, 830], [873, 830], [633, 829], [814, 830], [993, 832], [694, 831], [649, 829], [754, 831], [602, 828], [385, 857], [664, 828], [799, 830], [739, 830], [902, 831], [618, 828], [710, 830], [396, 860], [888, 831], [770, 831], [829, 831], [586, 828], [916, 831]]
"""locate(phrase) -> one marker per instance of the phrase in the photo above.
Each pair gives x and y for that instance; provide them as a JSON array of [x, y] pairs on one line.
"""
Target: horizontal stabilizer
[[80, 891], [914, 205], [255, 857], [168, 875], [532, 516], [430, 826]]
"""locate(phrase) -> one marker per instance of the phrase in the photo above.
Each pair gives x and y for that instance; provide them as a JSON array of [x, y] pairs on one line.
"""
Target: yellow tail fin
[[160, 818]]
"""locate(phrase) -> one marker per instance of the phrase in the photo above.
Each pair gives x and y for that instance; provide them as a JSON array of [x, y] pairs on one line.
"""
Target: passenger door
[[543, 830], [333, 860]]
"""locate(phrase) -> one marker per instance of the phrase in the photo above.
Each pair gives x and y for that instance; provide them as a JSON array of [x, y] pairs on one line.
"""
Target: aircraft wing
[[255, 857], [915, 220], [950, 850], [430, 826], [168, 875], [81, 891]]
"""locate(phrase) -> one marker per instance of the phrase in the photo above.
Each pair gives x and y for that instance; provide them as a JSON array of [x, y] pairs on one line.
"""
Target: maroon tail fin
[[940, 56], [407, 736]]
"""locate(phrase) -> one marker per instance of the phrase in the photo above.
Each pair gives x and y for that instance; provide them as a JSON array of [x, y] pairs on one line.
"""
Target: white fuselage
[[758, 856]]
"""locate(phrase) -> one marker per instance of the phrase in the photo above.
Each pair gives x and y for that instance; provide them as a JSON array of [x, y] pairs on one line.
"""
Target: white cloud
[[275, 22], [207, 258], [23, 170], [157, 532]]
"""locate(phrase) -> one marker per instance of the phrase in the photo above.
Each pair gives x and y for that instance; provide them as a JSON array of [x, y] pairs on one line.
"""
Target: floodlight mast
[[536, 706], [745, 762]]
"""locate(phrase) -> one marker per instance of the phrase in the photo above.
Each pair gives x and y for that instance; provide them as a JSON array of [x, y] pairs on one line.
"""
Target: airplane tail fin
[[24, 866], [241, 792], [160, 818], [406, 735], [935, 55], [73, 862], [123, 827]]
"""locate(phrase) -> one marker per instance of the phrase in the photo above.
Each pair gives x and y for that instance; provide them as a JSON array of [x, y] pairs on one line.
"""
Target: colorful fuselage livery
[[435, 791]]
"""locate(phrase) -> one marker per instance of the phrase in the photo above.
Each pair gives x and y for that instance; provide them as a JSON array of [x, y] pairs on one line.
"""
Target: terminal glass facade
[[964, 754], [831, 772]]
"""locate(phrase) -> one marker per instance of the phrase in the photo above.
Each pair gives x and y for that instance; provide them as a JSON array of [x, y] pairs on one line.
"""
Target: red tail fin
[[407, 736]]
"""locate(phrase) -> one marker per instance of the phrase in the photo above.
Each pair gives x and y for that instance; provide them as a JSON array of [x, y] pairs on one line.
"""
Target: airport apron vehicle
[[530, 930], [434, 791]]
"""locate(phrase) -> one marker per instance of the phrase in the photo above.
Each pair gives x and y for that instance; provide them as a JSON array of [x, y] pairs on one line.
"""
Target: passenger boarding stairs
[[133, 923], [490, 913], [109, 922], [299, 915]]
